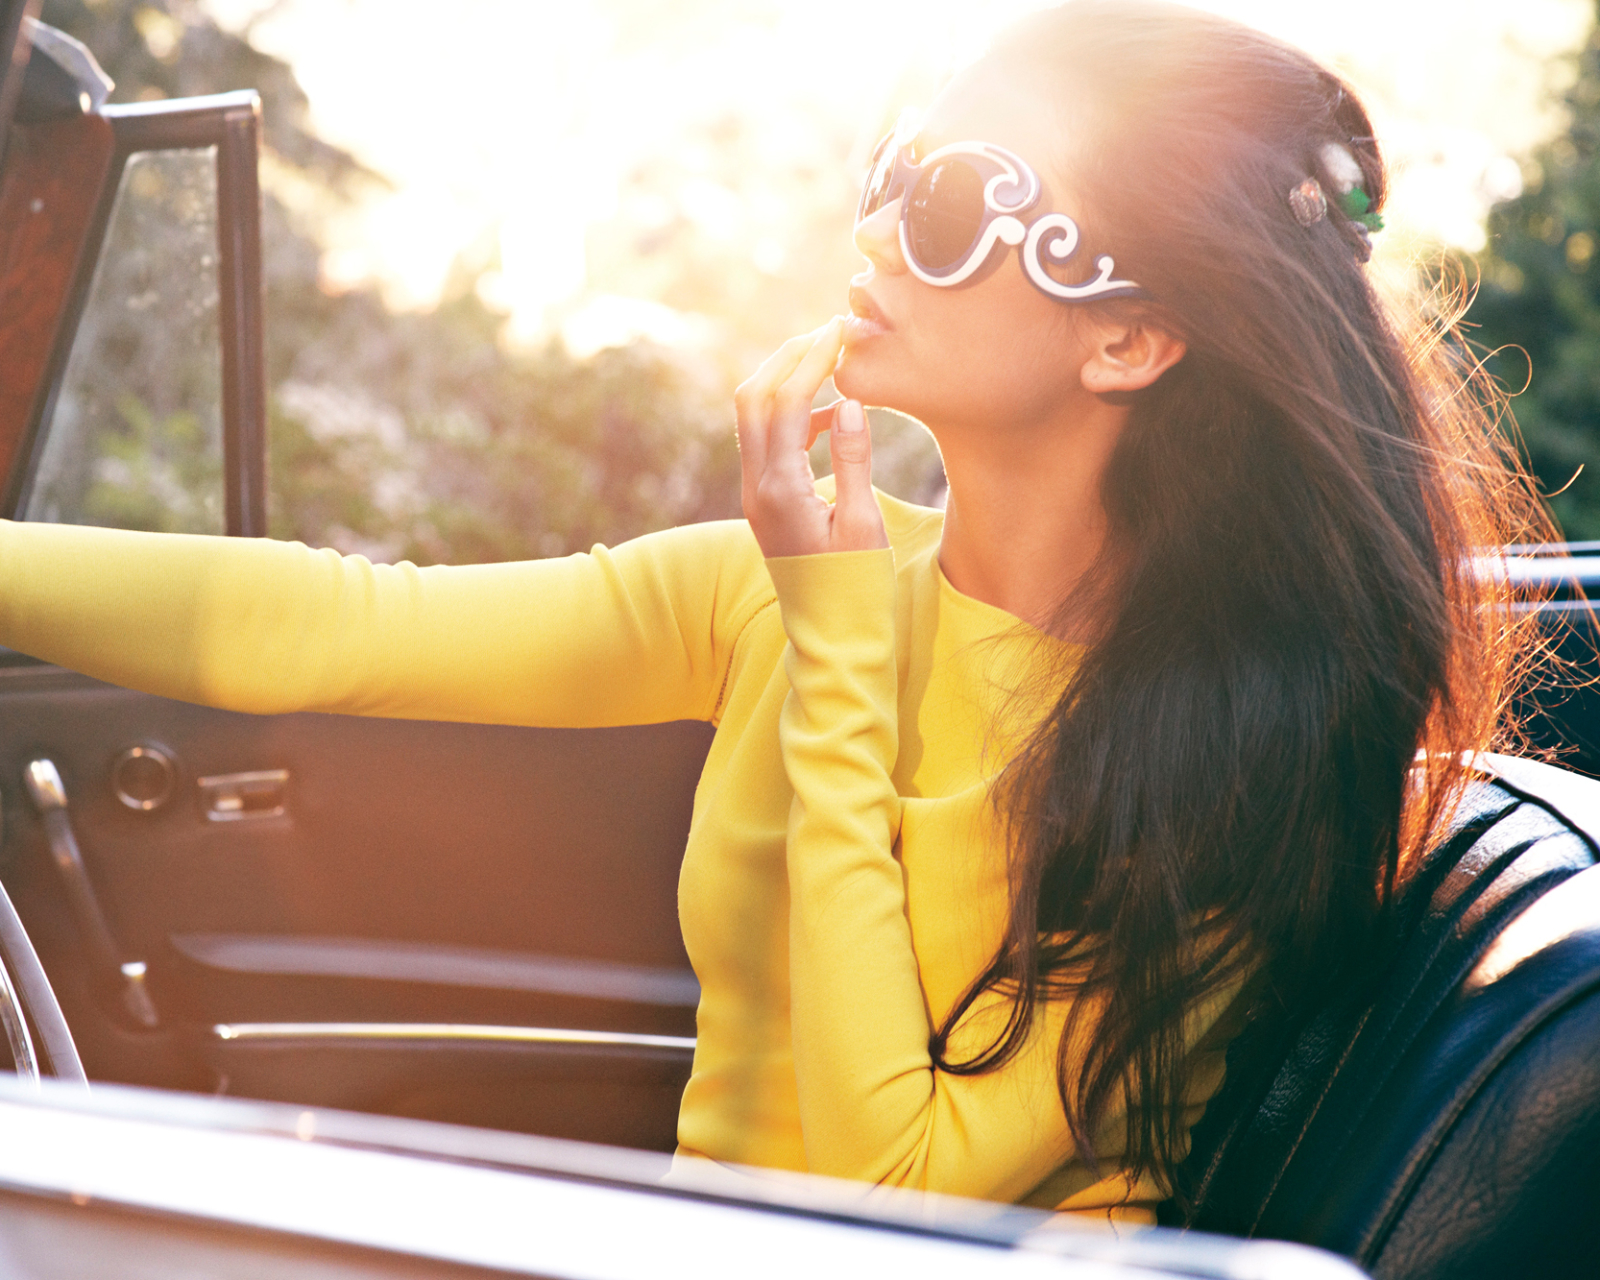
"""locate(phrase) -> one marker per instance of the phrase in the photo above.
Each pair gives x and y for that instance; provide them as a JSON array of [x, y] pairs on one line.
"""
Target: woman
[[1009, 809]]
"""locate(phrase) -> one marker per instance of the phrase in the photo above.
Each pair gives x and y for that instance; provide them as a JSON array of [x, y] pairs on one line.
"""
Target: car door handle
[[241, 797], [42, 781]]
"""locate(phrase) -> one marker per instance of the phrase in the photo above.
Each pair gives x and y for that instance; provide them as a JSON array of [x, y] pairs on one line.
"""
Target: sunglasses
[[959, 202]]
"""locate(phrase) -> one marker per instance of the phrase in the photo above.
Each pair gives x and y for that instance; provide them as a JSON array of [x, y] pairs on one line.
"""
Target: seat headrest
[[1571, 795], [1329, 1118]]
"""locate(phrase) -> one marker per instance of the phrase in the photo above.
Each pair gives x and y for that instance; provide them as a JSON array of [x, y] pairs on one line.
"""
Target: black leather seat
[[1445, 1121]]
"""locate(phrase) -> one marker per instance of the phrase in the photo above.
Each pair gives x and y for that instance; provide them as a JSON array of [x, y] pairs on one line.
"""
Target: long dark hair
[[1230, 782]]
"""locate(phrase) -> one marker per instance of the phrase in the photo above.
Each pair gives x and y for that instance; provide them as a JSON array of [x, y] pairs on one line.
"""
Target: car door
[[473, 923]]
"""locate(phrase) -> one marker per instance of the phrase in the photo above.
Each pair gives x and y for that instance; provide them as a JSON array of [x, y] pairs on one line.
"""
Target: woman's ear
[[1127, 353]]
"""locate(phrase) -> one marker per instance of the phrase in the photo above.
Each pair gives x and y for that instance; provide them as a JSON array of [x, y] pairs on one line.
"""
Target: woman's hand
[[776, 427]]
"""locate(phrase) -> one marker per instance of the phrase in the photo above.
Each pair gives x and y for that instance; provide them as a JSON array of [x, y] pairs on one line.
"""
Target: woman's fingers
[[777, 425], [857, 522], [791, 404], [821, 420], [753, 398], [779, 365]]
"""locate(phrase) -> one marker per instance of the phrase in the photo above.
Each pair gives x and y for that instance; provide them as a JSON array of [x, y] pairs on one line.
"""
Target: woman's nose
[[877, 236]]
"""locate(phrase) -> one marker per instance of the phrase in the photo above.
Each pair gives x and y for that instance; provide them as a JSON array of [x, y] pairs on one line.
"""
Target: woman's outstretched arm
[[639, 634]]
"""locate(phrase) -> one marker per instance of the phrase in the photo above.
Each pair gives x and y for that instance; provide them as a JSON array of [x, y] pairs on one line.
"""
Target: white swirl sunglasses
[[960, 201]]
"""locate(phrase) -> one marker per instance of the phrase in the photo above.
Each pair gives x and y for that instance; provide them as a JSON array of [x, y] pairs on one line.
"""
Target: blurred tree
[[413, 435], [1538, 305]]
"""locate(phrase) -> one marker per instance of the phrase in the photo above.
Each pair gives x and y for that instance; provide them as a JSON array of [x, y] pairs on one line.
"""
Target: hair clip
[[1348, 184], [1357, 206], [1308, 204]]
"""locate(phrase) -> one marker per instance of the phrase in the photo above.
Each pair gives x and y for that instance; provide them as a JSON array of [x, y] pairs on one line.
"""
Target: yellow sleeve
[[641, 634], [872, 1106]]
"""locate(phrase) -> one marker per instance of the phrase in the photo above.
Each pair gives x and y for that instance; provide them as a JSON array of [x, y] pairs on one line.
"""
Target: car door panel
[[431, 880]]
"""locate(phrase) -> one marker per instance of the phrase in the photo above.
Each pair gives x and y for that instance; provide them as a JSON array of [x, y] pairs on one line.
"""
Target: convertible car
[[316, 995]]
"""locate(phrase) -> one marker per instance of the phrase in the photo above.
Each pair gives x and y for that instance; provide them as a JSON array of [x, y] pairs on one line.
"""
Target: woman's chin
[[880, 393], [857, 376]]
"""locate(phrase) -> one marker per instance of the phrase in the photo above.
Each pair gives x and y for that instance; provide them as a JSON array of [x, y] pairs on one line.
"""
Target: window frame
[[230, 122]]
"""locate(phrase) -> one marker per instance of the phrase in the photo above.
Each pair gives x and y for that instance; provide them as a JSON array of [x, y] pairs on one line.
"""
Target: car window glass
[[135, 437]]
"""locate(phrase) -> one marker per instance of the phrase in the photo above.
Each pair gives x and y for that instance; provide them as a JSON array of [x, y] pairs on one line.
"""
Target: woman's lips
[[865, 319]]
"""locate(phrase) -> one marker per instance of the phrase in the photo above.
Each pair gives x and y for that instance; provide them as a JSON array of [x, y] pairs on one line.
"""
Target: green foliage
[[532, 456], [1538, 306], [156, 475]]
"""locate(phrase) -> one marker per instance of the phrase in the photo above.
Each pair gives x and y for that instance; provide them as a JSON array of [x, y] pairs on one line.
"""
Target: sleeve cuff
[[835, 596]]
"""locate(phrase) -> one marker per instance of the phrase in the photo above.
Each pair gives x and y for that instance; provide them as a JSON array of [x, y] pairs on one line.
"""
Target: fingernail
[[851, 418]]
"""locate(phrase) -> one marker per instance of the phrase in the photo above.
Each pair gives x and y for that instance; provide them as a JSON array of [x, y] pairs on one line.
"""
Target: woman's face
[[994, 353]]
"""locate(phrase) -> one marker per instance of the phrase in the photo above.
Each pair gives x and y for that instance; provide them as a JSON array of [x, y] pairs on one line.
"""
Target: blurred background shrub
[[1537, 311]]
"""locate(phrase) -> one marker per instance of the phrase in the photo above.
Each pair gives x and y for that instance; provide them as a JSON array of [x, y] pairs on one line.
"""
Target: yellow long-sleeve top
[[844, 879]]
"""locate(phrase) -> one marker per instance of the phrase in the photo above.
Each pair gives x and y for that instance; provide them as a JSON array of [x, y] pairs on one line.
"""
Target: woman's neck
[[1024, 522]]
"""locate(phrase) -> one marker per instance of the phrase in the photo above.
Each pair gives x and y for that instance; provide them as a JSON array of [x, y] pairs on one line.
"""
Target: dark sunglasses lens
[[878, 175], [945, 214]]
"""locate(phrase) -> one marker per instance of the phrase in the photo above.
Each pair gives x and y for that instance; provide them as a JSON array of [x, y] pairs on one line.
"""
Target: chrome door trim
[[440, 964], [452, 1031]]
